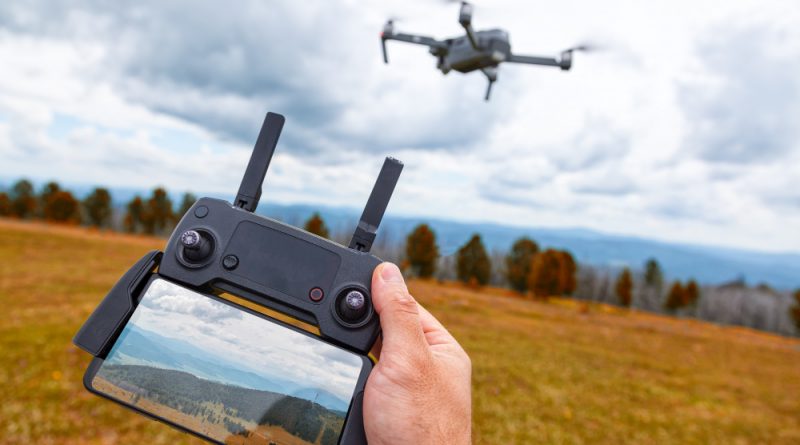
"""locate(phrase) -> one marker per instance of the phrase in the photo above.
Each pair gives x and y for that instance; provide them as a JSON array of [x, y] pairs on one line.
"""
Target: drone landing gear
[[491, 75]]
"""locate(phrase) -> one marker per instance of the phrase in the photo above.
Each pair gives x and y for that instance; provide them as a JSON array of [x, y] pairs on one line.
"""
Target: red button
[[316, 294]]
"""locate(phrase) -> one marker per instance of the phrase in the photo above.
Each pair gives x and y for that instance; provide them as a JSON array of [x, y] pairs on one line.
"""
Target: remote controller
[[222, 247]]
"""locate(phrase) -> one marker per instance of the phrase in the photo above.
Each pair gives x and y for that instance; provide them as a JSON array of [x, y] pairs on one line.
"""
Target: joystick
[[352, 306], [197, 246]]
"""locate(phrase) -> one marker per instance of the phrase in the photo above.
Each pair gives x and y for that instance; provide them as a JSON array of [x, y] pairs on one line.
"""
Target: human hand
[[419, 391]]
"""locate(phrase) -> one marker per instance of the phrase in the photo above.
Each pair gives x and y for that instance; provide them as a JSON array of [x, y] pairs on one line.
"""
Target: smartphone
[[226, 373]]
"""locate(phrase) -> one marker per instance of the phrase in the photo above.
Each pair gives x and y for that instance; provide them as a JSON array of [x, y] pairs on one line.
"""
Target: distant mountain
[[708, 264], [140, 347], [324, 398]]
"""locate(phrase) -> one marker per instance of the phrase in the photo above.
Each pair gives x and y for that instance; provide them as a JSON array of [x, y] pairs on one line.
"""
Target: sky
[[683, 126], [257, 345]]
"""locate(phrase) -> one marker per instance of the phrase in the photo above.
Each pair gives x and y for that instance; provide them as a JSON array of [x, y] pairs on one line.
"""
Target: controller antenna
[[376, 205], [250, 189]]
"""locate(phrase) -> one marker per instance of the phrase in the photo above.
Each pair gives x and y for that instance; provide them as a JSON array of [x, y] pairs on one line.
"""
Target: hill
[[543, 372]]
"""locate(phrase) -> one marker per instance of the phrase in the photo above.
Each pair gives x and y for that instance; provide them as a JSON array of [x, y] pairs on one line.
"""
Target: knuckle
[[403, 302]]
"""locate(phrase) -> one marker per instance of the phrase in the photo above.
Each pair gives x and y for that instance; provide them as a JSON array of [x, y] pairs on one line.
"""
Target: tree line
[[526, 268], [155, 214]]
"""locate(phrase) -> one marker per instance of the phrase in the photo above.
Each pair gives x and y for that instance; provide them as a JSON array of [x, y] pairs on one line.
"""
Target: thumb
[[398, 311]]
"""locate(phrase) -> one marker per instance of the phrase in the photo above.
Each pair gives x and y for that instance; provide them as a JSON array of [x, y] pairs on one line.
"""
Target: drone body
[[476, 50]]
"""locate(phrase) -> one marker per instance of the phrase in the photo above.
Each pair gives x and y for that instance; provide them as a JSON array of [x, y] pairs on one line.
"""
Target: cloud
[[696, 100], [254, 344], [166, 297], [223, 68], [598, 142], [745, 109]]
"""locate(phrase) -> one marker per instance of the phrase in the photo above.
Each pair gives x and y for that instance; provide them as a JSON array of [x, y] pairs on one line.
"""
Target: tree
[[624, 287], [49, 189], [187, 201], [61, 206], [133, 216], [675, 296], [692, 293], [567, 270], [472, 262], [518, 263], [5, 204], [653, 276], [23, 200], [316, 225], [157, 215], [544, 279], [422, 251], [796, 308], [98, 207]]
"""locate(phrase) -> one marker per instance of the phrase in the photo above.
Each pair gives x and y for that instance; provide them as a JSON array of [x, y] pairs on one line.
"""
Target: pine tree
[[98, 207], [624, 287], [5, 204], [653, 277], [422, 251], [157, 216], [518, 263], [61, 206], [544, 279], [691, 294], [187, 201], [567, 269], [316, 225], [472, 262], [48, 191], [675, 297], [23, 200], [133, 216]]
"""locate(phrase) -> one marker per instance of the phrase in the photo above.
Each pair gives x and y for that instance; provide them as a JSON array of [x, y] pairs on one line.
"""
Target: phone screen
[[227, 374]]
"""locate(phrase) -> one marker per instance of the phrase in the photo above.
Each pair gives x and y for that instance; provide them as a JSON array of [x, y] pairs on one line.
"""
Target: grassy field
[[544, 372]]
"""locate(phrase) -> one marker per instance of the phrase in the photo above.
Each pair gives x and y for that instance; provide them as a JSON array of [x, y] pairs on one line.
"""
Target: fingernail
[[391, 274]]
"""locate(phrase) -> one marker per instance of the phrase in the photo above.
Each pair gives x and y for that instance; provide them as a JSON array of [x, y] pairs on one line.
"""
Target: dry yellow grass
[[555, 372]]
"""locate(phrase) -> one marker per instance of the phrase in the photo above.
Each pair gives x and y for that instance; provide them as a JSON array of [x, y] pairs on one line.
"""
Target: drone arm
[[534, 60], [435, 45], [465, 19], [411, 38], [565, 62]]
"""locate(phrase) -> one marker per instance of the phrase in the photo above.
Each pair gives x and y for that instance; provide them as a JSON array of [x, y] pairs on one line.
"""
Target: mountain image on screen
[[232, 397]]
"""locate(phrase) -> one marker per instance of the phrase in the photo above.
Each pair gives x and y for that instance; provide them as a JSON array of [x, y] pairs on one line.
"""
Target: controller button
[[230, 262], [201, 212], [316, 294]]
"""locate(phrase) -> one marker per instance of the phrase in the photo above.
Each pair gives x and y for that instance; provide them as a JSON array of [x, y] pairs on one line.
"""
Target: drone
[[477, 50]]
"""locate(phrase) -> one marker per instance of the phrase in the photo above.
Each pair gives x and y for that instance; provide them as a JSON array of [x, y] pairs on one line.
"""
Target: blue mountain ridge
[[139, 346], [706, 263]]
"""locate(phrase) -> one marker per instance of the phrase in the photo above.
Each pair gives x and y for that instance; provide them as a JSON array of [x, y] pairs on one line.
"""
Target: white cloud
[[639, 138]]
